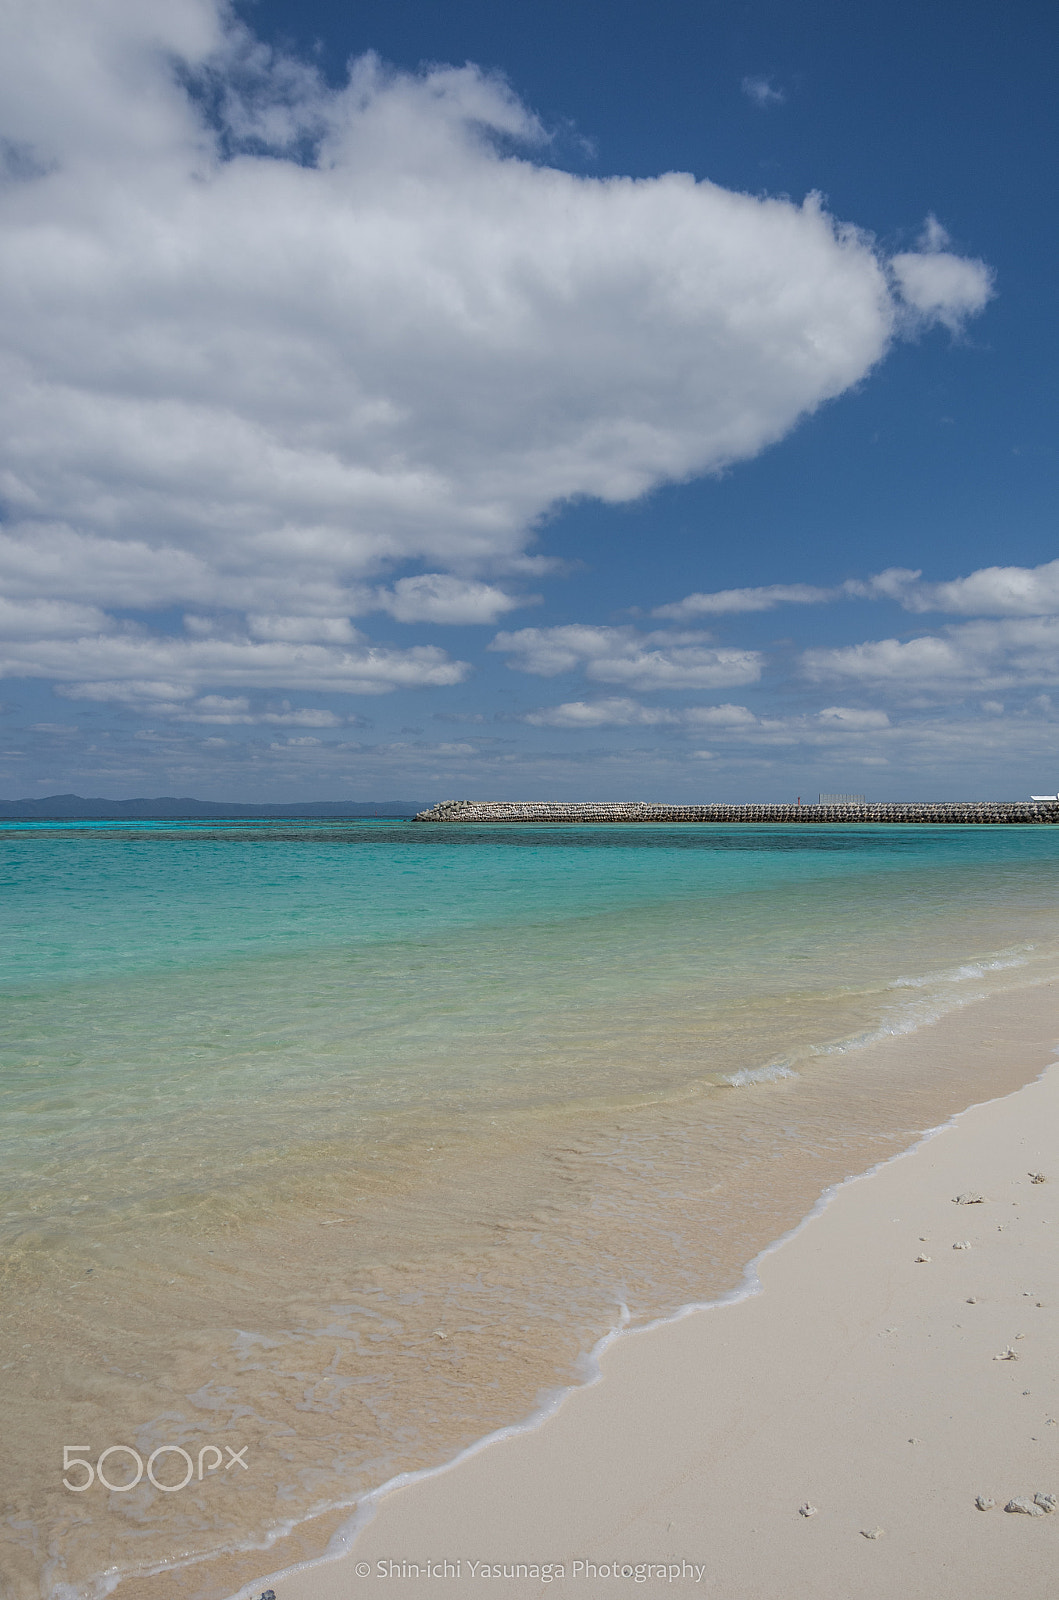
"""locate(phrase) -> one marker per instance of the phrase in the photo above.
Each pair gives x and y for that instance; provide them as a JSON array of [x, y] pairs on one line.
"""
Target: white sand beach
[[901, 1362]]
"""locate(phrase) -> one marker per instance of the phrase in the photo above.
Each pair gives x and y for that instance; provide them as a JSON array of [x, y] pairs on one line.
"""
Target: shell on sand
[[807, 1510], [1007, 1355], [984, 1502], [922, 1258], [877, 1533], [1028, 1508], [971, 1198], [962, 1244]]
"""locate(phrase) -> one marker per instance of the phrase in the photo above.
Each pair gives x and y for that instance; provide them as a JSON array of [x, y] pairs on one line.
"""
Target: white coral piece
[[1028, 1508]]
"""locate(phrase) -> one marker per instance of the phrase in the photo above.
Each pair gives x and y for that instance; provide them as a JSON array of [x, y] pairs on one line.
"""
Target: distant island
[[167, 808]]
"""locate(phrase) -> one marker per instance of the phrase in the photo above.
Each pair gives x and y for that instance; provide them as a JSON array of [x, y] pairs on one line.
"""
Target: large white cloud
[[989, 592], [979, 656], [263, 341]]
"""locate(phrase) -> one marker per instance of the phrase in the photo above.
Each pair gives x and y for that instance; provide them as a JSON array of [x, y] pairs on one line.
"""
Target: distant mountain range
[[168, 808]]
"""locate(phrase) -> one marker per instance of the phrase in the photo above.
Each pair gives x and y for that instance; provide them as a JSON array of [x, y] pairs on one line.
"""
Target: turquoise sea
[[342, 1142]]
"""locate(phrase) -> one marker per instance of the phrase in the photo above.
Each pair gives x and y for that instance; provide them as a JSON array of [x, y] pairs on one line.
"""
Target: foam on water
[[770, 1074]]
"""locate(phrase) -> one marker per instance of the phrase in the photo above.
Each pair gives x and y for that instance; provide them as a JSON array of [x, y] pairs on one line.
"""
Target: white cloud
[[925, 661], [732, 601], [735, 721], [235, 710], [849, 717], [615, 713], [110, 667], [438, 597], [763, 91], [989, 592], [295, 630], [29, 619], [974, 656], [939, 286], [625, 656], [307, 717], [719, 716], [257, 366]]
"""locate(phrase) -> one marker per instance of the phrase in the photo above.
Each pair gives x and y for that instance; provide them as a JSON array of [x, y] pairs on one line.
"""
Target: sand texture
[[836, 1436]]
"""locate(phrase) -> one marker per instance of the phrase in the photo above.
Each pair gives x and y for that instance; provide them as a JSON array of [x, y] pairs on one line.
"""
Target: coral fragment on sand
[[1028, 1508]]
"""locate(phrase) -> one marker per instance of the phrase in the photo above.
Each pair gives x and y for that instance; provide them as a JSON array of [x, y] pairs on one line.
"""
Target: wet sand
[[883, 1377]]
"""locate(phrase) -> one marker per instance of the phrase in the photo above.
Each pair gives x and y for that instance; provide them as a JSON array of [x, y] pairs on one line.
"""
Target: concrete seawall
[[986, 811]]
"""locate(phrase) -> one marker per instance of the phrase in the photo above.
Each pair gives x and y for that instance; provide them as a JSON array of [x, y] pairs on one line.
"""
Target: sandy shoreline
[[863, 1382]]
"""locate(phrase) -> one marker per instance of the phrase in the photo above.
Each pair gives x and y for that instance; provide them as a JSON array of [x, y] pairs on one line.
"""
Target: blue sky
[[582, 400]]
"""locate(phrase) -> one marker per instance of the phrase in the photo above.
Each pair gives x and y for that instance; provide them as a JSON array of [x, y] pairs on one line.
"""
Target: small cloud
[[939, 286], [934, 236], [297, 629], [613, 713], [721, 602], [439, 597], [763, 91], [618, 712], [850, 717], [726, 716], [306, 717]]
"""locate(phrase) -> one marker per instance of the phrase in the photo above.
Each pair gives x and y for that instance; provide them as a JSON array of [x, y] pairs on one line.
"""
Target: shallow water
[[343, 1141]]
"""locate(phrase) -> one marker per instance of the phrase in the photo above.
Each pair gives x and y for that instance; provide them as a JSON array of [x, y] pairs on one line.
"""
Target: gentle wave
[[971, 969], [749, 1075]]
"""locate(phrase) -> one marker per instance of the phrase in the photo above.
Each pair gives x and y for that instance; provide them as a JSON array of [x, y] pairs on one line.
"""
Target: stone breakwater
[[986, 811]]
